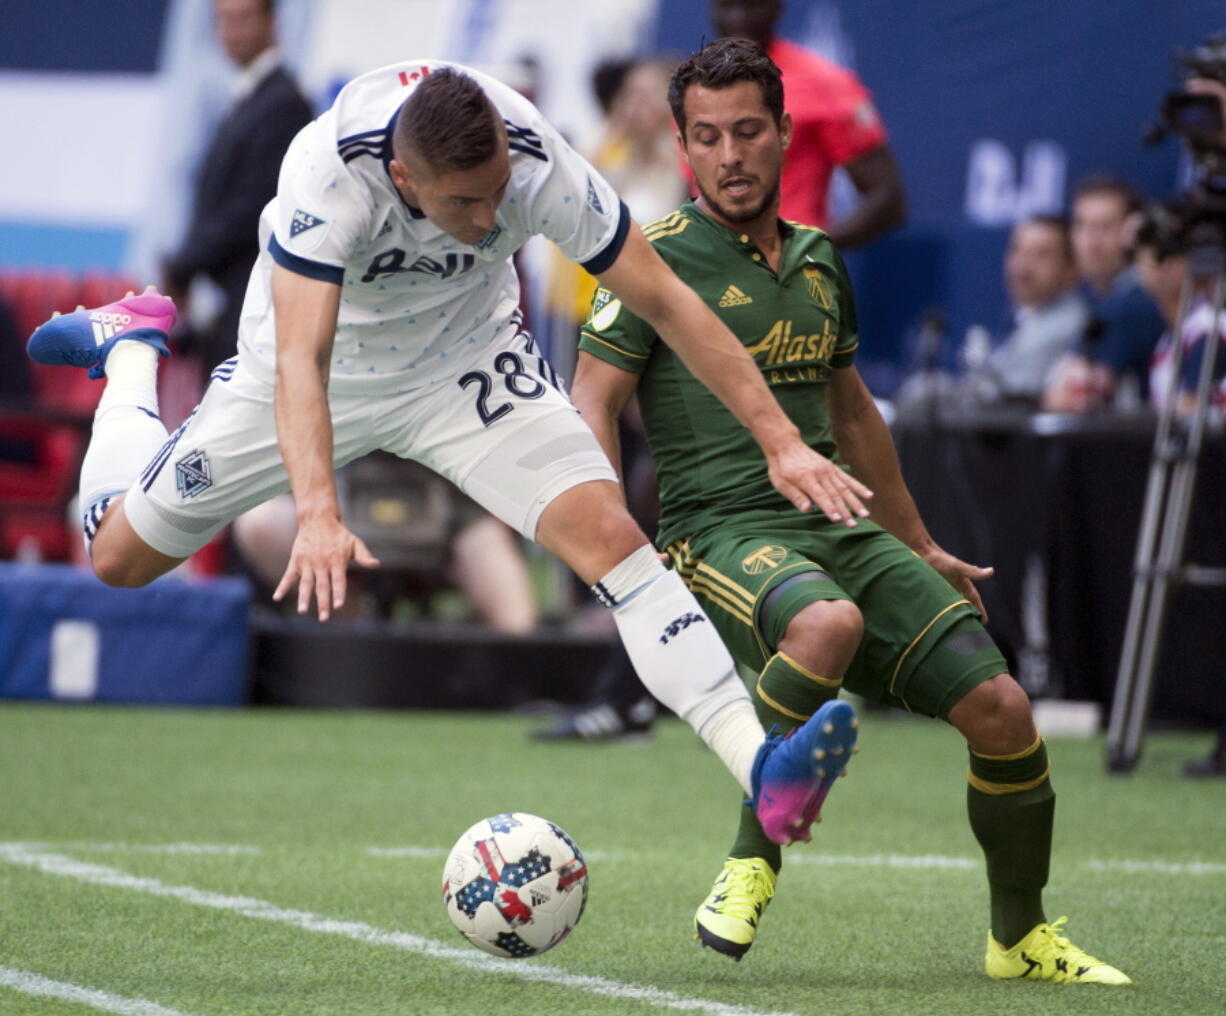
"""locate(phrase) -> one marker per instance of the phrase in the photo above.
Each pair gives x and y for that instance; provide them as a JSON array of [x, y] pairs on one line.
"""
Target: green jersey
[[797, 324]]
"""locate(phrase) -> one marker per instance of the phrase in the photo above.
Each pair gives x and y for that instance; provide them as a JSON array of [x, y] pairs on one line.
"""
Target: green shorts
[[923, 647]]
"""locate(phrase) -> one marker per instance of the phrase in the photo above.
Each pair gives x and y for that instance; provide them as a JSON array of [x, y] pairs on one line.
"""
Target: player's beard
[[740, 215]]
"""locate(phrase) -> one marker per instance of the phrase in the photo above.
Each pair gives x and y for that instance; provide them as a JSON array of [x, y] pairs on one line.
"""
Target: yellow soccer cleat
[[1046, 955], [728, 919]]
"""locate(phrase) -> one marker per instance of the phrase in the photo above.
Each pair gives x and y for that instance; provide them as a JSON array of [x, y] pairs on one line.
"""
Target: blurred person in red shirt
[[834, 124]]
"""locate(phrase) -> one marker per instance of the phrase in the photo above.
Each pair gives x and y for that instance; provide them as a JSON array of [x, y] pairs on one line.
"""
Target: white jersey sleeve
[[320, 216], [573, 205]]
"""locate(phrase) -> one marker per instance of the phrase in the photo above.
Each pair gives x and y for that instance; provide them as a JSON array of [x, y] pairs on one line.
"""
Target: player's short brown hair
[[449, 123], [723, 63]]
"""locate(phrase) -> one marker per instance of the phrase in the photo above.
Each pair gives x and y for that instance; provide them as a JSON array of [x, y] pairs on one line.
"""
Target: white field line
[[905, 861], [223, 849], [34, 984], [1160, 867], [439, 853], [58, 864]]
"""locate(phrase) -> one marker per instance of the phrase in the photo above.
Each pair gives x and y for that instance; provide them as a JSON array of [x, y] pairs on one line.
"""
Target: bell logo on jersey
[[391, 262], [303, 221]]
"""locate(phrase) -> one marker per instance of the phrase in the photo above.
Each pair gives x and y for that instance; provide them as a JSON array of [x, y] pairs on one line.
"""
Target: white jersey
[[416, 304]]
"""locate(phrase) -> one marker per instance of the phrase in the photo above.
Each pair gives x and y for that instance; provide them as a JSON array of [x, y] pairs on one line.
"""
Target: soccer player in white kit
[[383, 314]]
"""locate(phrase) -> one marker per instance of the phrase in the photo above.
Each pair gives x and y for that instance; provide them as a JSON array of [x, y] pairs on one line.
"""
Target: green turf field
[[280, 862]]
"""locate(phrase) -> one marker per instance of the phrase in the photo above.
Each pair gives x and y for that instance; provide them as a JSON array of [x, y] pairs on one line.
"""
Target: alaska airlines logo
[[763, 559], [391, 262], [787, 359], [779, 346]]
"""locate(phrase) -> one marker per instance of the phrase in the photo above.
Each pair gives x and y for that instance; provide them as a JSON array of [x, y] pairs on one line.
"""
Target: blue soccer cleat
[[793, 774], [85, 338]]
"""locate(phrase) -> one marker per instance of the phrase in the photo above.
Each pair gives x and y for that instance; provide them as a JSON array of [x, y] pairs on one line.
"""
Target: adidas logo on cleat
[[107, 324], [734, 297]]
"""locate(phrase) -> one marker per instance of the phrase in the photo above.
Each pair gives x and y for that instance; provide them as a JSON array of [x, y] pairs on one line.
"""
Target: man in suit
[[238, 174]]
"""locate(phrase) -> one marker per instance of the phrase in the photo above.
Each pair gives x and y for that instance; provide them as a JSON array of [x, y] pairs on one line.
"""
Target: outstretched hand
[[318, 561], [960, 575], [806, 479]]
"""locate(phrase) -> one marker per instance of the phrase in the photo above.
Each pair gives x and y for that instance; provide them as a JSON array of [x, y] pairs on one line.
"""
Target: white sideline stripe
[[887, 861], [58, 864], [162, 848], [34, 984], [431, 853], [912, 861], [1189, 868]]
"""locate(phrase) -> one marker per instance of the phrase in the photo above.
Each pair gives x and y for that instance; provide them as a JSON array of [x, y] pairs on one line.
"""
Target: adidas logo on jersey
[[106, 325], [733, 297]]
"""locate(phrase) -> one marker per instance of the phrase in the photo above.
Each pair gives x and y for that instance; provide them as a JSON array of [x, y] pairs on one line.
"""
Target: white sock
[[127, 430], [680, 658]]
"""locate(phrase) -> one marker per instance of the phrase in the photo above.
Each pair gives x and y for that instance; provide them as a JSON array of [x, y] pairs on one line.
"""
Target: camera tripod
[[1160, 563]]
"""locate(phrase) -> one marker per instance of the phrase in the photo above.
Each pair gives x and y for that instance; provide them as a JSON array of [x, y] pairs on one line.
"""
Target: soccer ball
[[515, 885]]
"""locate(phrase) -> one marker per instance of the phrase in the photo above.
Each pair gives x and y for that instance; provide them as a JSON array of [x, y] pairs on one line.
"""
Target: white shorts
[[503, 432]]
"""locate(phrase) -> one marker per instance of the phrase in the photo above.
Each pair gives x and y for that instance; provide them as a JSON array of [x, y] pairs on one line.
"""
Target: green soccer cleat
[[1046, 955], [728, 919]]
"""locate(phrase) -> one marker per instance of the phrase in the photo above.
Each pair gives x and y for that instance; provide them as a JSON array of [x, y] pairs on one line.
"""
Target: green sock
[[1011, 806], [784, 696]]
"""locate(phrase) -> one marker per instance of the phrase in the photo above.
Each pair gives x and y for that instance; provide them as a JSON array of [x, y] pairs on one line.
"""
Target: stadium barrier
[[65, 636]]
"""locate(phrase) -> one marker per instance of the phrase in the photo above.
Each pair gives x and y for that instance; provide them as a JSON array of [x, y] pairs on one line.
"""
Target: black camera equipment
[[1195, 225]]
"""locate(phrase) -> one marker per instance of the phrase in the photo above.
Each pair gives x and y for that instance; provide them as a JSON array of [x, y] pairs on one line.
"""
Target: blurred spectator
[[1124, 322], [834, 123], [426, 534], [1162, 258], [1049, 315], [16, 381], [635, 151], [238, 174]]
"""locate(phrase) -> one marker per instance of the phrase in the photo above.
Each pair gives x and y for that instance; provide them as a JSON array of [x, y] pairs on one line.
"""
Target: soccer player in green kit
[[810, 602]]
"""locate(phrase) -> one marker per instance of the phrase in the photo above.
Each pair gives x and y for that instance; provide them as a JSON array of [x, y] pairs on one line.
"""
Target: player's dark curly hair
[[722, 63], [448, 122]]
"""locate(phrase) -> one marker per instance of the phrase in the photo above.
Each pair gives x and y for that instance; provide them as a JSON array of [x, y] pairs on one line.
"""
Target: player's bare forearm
[[600, 392], [306, 324], [865, 444], [306, 312]]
